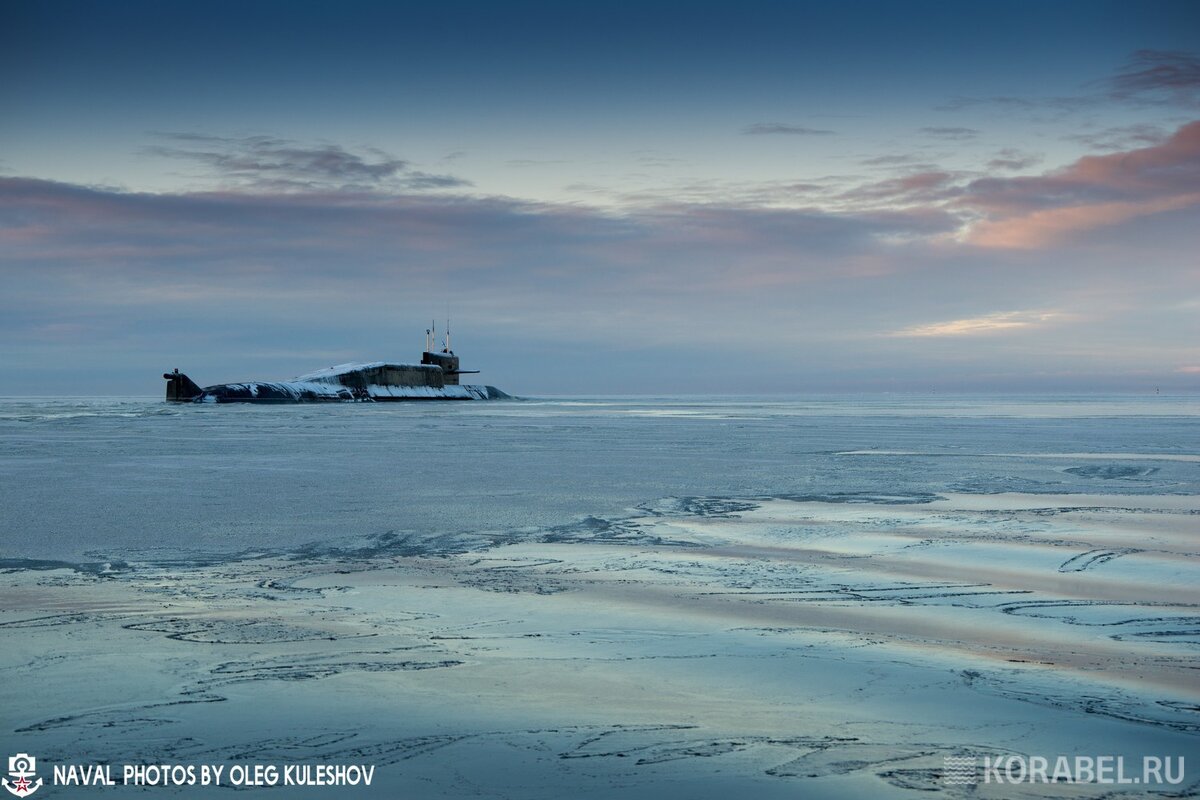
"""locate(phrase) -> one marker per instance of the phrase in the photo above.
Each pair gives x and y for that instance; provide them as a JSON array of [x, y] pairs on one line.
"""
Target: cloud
[[951, 133], [1149, 77], [1051, 226], [653, 158], [158, 276], [1012, 159], [269, 163], [425, 180], [770, 128], [370, 236], [923, 187], [1057, 106], [1122, 137], [1095, 191], [1001, 321], [891, 160], [535, 162], [1167, 76], [114, 281]]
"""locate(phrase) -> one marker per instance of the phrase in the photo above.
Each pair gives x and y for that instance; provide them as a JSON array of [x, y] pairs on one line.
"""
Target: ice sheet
[[530, 600]]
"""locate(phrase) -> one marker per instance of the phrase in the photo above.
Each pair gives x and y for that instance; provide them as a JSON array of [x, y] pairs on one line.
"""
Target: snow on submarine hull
[[435, 378]]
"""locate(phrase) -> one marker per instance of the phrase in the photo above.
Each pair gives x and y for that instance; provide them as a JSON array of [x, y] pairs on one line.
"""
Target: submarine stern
[[181, 388]]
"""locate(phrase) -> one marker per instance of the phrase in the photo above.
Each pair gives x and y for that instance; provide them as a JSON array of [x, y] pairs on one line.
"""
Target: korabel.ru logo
[[22, 769], [1107, 769]]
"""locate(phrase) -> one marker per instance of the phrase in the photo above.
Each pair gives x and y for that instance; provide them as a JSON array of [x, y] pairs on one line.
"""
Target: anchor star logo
[[21, 768]]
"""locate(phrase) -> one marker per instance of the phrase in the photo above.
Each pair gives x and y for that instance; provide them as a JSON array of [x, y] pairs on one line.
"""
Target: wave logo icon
[[21, 768], [958, 771]]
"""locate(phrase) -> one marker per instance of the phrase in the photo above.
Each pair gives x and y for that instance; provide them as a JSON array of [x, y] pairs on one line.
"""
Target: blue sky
[[849, 196]]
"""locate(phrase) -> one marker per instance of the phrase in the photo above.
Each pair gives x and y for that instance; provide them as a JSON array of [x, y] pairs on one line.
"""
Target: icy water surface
[[630, 597]]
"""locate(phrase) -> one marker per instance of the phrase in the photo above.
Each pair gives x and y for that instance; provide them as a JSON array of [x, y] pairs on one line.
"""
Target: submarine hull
[[436, 378], [298, 392]]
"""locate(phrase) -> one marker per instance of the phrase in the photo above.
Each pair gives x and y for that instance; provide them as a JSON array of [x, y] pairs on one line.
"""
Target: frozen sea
[[612, 597]]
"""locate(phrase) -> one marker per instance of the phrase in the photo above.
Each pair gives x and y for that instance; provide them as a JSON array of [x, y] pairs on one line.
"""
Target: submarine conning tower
[[447, 361], [446, 358]]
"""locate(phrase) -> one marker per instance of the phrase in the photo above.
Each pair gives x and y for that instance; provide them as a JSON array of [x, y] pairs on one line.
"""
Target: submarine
[[435, 378]]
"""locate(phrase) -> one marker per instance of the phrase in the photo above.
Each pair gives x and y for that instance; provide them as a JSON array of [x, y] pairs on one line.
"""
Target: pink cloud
[[1042, 228], [1095, 191], [999, 322]]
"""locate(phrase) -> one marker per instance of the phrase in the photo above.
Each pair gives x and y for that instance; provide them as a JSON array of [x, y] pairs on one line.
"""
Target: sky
[[604, 198]]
